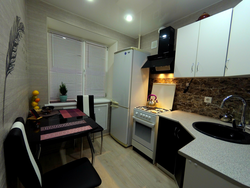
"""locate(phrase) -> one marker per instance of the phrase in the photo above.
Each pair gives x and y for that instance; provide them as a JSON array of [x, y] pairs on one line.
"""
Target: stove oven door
[[144, 133]]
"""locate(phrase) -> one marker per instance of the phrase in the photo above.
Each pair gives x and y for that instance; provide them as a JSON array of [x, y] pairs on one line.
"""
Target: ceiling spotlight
[[128, 18]]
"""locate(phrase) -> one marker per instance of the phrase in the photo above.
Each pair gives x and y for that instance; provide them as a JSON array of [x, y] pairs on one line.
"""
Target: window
[[95, 58], [80, 65]]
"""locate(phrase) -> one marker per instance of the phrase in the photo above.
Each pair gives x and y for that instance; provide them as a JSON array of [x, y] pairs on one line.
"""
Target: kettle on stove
[[152, 100]]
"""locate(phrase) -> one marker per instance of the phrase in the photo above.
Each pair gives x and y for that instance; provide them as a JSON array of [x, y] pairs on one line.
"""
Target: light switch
[[154, 44]]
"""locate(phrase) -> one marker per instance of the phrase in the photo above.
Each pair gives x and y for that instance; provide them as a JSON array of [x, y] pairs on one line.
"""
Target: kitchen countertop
[[101, 100], [73, 103], [228, 160]]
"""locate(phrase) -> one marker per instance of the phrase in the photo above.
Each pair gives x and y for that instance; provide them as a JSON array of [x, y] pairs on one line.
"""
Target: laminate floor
[[117, 166]]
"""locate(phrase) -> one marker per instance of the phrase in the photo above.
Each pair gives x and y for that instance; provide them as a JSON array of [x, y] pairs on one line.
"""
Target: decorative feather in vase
[[15, 36]]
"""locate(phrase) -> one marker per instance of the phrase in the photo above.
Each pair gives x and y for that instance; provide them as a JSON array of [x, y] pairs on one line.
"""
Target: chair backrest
[[85, 103], [19, 159]]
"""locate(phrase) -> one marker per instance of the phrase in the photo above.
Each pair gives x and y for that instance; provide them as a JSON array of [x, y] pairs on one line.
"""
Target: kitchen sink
[[222, 132]]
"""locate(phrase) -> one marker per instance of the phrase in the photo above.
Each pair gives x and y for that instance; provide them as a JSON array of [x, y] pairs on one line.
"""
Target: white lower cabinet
[[199, 177], [101, 114]]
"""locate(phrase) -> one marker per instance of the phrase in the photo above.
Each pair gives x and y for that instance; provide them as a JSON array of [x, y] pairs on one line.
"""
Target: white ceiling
[[149, 15]]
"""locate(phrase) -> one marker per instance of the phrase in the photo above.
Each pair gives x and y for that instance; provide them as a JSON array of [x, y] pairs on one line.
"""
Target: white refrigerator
[[129, 89]]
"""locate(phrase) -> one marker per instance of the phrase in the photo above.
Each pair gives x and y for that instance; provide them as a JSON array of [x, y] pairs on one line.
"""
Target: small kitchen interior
[[176, 110]]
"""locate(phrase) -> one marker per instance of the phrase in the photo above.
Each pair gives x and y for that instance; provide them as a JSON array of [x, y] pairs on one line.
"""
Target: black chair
[[21, 163], [85, 103]]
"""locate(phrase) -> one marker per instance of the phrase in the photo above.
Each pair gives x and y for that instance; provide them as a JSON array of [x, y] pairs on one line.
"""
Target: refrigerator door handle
[[114, 106], [114, 102]]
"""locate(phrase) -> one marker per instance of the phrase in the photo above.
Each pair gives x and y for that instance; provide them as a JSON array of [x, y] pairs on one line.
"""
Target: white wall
[[37, 21], [17, 85], [109, 70]]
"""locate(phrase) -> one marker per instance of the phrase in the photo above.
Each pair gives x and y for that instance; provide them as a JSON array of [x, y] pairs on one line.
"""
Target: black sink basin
[[222, 132]]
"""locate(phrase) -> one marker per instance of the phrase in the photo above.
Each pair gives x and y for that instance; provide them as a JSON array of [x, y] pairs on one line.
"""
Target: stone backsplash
[[218, 88]]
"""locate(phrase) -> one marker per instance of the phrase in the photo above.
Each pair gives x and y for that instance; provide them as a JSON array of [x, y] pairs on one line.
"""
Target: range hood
[[163, 62]]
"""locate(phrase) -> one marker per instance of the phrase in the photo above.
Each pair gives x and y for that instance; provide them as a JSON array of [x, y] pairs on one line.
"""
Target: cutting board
[[165, 94]]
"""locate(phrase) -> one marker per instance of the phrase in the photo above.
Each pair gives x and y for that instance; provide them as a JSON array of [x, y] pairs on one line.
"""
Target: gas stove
[[146, 120], [148, 114], [155, 110], [145, 129]]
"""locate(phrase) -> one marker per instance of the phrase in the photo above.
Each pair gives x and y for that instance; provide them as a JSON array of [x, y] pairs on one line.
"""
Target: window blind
[[66, 66], [95, 63]]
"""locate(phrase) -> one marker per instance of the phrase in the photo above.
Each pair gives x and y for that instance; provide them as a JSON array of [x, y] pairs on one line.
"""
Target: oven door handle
[[150, 125]]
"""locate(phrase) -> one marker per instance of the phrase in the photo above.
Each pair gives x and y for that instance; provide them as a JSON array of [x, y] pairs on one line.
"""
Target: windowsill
[[57, 101], [62, 105], [71, 103]]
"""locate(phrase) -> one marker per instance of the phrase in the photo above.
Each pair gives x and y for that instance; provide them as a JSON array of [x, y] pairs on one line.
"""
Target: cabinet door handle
[[175, 131], [177, 134], [192, 68], [197, 67]]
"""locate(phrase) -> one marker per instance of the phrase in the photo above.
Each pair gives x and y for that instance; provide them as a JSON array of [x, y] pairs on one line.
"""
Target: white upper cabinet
[[213, 43], [239, 45], [186, 50], [201, 47]]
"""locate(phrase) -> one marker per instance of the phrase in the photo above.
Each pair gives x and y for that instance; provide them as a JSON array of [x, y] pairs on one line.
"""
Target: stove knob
[[141, 114], [146, 117], [149, 117], [136, 113]]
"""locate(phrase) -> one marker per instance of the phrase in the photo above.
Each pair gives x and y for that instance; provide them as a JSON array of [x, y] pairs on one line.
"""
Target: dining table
[[59, 126]]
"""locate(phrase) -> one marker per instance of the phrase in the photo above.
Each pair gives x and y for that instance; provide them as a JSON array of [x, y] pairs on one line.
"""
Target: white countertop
[[73, 104], [228, 160], [101, 100]]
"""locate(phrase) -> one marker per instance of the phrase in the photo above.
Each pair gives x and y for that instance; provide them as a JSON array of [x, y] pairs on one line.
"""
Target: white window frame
[[49, 38]]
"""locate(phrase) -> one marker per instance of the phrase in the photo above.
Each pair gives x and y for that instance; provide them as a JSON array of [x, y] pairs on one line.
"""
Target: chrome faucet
[[242, 123]]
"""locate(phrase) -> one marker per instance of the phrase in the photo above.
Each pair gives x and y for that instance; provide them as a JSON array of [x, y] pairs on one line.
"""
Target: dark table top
[[58, 124]]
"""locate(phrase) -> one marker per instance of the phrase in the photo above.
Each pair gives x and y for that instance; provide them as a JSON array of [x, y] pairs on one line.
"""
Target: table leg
[[101, 141], [81, 147], [91, 148], [39, 151]]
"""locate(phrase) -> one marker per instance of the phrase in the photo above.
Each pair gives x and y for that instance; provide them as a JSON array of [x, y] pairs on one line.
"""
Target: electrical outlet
[[208, 99]]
